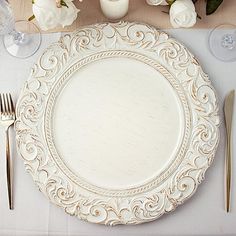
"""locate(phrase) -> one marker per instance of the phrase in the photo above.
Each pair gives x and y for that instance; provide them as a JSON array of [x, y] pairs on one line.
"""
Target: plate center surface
[[117, 123]]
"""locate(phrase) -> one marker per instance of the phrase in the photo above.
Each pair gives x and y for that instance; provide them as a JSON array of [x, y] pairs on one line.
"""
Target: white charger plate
[[117, 123]]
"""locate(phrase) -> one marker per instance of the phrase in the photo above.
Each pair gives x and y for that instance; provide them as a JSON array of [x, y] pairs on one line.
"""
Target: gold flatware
[[228, 112], [7, 120]]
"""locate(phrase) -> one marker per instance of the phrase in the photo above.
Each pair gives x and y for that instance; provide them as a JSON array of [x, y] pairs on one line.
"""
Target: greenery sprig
[[212, 5]]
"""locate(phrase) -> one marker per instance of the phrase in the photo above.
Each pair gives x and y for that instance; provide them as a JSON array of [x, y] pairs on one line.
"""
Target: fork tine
[[9, 103], [12, 104], [3, 104], [1, 107], [6, 104]]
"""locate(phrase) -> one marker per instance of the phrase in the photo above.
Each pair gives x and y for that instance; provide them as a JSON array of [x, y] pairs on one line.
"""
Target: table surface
[[203, 214]]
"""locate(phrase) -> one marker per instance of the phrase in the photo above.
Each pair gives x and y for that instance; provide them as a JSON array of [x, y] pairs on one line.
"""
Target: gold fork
[[7, 119]]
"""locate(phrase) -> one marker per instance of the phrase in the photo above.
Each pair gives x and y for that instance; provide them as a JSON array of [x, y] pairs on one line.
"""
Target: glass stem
[[18, 37], [229, 41]]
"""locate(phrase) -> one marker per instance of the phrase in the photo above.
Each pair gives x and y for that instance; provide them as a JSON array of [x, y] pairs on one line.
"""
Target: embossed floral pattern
[[162, 194]]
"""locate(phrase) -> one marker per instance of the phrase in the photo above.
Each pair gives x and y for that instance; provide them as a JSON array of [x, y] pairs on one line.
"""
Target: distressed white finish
[[120, 107], [146, 195]]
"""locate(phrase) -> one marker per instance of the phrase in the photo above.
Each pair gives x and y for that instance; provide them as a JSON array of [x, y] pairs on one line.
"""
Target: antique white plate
[[117, 123]]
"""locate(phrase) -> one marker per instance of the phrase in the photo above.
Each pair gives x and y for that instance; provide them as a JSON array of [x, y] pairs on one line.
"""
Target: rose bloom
[[49, 16], [183, 14]]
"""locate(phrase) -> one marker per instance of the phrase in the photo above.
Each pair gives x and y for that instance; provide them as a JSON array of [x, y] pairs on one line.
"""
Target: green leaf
[[64, 4], [31, 18], [170, 2], [199, 17], [212, 5]]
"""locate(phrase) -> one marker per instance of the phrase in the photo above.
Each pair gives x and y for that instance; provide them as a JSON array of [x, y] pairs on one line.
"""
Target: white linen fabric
[[203, 214]]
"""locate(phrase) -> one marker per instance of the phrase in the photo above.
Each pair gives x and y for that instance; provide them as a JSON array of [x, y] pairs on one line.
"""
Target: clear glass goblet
[[16, 37], [222, 42]]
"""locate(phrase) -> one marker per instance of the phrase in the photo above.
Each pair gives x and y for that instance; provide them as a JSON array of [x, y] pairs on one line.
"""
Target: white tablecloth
[[203, 214]]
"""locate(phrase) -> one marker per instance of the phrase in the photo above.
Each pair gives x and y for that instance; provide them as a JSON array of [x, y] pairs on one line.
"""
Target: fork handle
[[9, 170], [228, 168]]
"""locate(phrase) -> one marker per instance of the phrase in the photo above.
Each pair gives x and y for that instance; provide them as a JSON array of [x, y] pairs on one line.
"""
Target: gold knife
[[228, 112]]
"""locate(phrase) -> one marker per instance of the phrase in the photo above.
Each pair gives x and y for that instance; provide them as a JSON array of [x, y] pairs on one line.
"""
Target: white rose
[[49, 16], [156, 2], [68, 14], [183, 14]]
